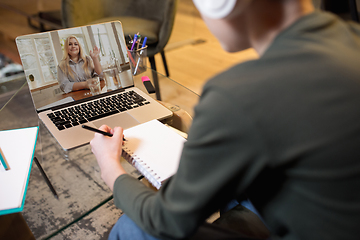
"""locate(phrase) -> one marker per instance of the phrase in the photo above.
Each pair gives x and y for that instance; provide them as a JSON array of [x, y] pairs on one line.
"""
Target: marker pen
[[148, 85]]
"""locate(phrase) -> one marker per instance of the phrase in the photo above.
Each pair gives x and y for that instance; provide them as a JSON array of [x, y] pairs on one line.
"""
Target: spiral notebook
[[18, 148], [154, 150]]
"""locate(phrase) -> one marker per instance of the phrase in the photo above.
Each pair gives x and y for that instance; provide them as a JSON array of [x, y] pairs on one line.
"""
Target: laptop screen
[[59, 64]]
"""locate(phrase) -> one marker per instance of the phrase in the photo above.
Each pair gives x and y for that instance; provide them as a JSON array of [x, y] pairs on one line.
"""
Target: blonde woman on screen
[[76, 67]]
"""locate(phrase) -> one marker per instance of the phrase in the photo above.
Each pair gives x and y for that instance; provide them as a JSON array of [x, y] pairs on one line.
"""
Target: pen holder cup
[[138, 60]]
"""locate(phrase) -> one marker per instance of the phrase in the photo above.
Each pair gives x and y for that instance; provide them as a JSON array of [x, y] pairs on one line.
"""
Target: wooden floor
[[193, 54]]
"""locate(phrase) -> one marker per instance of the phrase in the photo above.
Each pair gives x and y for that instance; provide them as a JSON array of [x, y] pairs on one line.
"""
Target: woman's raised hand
[[94, 54]]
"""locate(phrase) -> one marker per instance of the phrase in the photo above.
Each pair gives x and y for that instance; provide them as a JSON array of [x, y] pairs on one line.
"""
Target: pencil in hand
[[99, 131]]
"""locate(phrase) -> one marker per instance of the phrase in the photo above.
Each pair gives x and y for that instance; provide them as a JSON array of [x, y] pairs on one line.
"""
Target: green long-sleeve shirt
[[285, 129]]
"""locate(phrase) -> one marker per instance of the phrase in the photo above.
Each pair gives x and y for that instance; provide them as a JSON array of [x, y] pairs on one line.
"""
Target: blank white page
[[157, 146], [18, 148]]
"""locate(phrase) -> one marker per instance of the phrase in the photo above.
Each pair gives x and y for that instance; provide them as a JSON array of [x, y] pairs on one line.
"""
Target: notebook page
[[156, 146], [18, 148]]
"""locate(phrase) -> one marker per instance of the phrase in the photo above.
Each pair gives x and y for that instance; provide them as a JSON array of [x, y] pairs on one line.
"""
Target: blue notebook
[[17, 147]]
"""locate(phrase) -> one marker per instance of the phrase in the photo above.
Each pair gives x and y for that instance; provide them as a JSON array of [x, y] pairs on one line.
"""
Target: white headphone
[[215, 9], [218, 9]]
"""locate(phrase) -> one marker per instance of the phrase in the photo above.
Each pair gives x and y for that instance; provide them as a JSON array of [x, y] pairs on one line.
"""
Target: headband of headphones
[[215, 9]]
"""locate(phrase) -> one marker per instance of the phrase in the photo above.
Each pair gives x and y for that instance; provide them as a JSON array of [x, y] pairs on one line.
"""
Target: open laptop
[[119, 102]]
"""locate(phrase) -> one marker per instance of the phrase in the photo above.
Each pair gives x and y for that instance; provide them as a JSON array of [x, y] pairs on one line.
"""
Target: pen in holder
[[138, 60]]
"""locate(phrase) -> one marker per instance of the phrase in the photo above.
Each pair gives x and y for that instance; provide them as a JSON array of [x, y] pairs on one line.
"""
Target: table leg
[[155, 78], [13, 226]]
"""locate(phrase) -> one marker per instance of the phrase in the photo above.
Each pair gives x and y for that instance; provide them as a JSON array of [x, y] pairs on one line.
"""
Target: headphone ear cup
[[215, 9]]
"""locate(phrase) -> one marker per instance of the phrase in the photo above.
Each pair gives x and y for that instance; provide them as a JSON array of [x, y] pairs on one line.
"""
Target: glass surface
[[9, 87], [75, 174]]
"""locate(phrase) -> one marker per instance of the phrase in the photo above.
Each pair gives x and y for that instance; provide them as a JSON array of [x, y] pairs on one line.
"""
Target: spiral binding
[[142, 167]]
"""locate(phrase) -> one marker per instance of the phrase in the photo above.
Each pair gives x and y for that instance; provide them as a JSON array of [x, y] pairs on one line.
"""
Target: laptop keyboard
[[96, 109]]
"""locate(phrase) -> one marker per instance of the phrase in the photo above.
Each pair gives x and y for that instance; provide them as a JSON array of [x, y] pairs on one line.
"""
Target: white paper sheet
[[18, 148]]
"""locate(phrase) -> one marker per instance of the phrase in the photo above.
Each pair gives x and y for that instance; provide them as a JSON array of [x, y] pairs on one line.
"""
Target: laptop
[[64, 110]]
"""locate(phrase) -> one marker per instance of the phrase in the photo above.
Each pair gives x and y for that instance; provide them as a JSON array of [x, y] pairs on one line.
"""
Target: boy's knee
[[120, 228]]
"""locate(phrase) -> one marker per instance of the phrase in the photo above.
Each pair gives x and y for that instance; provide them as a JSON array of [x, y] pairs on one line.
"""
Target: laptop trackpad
[[123, 120]]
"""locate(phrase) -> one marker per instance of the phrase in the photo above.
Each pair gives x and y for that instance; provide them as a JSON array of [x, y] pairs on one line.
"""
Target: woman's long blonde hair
[[64, 64]]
